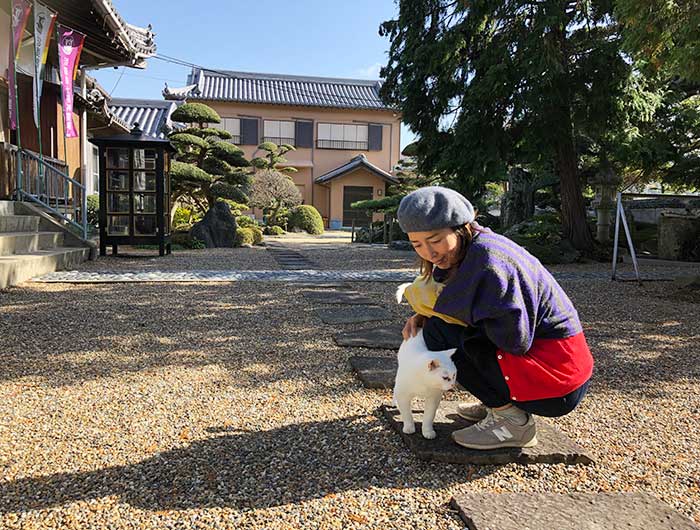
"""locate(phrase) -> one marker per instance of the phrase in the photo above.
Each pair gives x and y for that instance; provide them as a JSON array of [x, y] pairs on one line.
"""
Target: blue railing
[[41, 182]]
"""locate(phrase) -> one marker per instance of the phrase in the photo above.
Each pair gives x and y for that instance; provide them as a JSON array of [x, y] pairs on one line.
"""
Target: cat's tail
[[400, 290]]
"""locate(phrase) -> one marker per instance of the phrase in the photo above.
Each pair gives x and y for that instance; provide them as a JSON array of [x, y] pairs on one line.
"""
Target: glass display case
[[134, 191]]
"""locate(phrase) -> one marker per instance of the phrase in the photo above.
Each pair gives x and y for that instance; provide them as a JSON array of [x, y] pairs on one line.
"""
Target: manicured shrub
[[307, 218], [245, 221], [93, 209], [195, 113], [274, 230], [257, 234], [244, 236]]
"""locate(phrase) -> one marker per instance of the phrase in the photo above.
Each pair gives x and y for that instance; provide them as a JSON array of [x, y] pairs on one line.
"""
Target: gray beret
[[432, 208]]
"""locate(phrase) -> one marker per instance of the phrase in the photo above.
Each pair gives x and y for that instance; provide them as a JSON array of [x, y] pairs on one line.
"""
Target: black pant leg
[[477, 368], [555, 407]]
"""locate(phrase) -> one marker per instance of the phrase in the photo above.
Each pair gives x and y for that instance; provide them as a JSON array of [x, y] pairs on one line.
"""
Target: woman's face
[[440, 247]]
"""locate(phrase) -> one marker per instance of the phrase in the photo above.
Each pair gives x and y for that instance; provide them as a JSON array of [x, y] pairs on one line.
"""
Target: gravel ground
[[132, 259], [229, 406]]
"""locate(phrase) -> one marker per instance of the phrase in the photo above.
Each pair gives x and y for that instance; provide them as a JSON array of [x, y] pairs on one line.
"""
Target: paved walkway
[[297, 276]]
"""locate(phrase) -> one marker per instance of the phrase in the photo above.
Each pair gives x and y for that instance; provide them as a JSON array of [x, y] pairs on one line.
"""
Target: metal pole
[[629, 242], [19, 136], [617, 234], [352, 235]]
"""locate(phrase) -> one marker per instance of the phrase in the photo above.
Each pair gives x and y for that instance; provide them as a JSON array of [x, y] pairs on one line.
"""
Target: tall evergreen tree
[[207, 167], [489, 84]]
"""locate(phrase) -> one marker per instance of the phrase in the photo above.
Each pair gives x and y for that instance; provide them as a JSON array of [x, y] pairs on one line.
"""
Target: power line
[[258, 82], [117, 83]]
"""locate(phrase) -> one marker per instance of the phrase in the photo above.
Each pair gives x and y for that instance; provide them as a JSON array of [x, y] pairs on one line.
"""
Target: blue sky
[[332, 38]]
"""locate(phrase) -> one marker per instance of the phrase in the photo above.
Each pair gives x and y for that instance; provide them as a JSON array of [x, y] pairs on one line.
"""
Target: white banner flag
[[44, 20]]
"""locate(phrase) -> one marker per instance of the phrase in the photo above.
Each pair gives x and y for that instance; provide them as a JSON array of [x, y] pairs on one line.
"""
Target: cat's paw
[[430, 435], [409, 429]]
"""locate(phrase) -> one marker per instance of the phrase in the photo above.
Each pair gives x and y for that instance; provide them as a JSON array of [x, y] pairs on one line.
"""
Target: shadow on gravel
[[246, 470]]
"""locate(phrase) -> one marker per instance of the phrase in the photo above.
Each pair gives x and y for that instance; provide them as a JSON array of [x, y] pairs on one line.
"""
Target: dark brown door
[[353, 194]]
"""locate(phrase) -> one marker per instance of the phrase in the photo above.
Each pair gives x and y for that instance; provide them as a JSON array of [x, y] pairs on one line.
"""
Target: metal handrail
[[40, 182]]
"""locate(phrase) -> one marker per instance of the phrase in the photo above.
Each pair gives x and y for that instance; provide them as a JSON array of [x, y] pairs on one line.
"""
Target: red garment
[[551, 368]]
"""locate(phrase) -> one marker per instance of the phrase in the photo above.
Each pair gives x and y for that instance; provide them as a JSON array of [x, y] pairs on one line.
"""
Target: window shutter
[[249, 131], [375, 137], [304, 133]]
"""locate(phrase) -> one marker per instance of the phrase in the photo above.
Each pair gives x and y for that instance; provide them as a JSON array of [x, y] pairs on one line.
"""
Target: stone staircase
[[33, 243]]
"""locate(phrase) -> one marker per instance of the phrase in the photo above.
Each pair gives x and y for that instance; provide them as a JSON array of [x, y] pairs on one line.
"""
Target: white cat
[[422, 373]]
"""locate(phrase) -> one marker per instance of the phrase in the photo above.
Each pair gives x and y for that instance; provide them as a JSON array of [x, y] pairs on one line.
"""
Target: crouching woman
[[520, 346]]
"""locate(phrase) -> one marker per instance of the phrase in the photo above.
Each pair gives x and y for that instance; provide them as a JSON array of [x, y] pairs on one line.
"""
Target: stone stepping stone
[[385, 338], [573, 511], [554, 446], [324, 285], [351, 315], [374, 372], [338, 297]]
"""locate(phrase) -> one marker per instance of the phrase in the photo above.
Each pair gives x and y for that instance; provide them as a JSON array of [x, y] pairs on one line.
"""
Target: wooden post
[[385, 238], [352, 235]]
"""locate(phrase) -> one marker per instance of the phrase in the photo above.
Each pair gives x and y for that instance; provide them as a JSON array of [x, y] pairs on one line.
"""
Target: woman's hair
[[465, 233]]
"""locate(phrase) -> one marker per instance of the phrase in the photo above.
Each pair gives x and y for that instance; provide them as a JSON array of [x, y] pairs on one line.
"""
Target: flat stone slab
[[338, 297], [308, 276], [352, 315], [574, 511], [386, 338], [374, 372], [554, 446]]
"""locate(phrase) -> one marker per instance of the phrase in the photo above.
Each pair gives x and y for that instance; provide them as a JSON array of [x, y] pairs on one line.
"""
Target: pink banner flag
[[20, 15], [70, 44]]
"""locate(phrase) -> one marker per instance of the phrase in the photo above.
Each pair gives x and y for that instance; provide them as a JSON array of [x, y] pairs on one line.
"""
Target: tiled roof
[[358, 161], [152, 115], [278, 89], [110, 39]]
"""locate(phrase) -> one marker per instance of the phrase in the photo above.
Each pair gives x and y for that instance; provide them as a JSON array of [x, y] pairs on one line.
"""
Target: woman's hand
[[412, 326]]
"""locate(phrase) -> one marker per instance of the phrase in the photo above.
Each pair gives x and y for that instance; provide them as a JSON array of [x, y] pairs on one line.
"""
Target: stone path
[[553, 446], [375, 372], [352, 315], [386, 337], [289, 259], [595, 511], [296, 276]]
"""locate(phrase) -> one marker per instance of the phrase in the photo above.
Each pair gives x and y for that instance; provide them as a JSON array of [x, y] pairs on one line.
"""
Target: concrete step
[[24, 242], [18, 268], [7, 208], [19, 223]]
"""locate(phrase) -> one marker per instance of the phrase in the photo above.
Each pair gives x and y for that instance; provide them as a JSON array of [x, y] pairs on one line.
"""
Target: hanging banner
[[44, 20], [70, 44], [20, 15]]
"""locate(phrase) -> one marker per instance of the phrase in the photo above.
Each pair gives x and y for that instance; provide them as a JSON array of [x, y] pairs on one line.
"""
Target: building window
[[95, 169], [279, 132], [341, 136], [232, 125]]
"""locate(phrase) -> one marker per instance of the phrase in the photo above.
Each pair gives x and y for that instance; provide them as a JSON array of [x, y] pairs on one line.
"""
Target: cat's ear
[[449, 353], [434, 364]]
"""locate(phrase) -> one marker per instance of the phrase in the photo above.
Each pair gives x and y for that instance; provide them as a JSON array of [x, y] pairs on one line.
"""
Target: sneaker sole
[[500, 445]]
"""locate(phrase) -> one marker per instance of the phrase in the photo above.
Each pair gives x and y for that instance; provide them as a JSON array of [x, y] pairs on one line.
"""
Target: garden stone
[[338, 297], [600, 511], [387, 337], [217, 228], [351, 315], [374, 372], [554, 446]]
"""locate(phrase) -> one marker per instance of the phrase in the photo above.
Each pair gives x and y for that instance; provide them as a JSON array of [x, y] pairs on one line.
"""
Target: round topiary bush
[[307, 218], [195, 113], [244, 236], [257, 234], [274, 230], [245, 221]]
